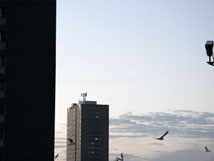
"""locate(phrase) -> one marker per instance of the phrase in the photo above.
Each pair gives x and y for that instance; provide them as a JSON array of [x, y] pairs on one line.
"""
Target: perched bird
[[206, 149], [162, 137], [57, 156], [71, 141]]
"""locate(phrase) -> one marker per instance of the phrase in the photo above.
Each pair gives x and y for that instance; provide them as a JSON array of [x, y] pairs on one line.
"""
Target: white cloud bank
[[134, 135]]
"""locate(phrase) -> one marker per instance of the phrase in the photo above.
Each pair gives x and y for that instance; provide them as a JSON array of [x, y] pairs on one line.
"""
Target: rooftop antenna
[[84, 95]]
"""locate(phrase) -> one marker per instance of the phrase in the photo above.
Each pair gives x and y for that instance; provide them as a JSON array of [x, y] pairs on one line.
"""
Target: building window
[[2, 36], [1, 137], [2, 107], [2, 61], [2, 88], [2, 64], [1, 157], [2, 12], [2, 16], [2, 39], [1, 133], [2, 85], [96, 138], [2, 112]]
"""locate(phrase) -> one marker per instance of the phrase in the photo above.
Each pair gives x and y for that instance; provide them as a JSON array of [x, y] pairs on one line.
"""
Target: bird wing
[[164, 134], [206, 148], [56, 156], [70, 140]]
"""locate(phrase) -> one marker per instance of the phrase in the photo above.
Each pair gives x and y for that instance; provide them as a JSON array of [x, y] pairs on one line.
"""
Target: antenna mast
[[84, 95]]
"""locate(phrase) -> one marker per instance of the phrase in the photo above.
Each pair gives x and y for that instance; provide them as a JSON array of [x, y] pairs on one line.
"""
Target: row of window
[[3, 60], [3, 64], [3, 15], [95, 148], [1, 137]]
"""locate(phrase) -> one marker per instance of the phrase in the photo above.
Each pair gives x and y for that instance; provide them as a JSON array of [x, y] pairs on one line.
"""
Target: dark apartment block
[[88, 128], [27, 79]]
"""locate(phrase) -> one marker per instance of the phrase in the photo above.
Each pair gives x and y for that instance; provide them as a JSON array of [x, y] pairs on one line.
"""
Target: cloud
[[127, 157], [180, 123], [181, 155], [157, 144], [189, 132]]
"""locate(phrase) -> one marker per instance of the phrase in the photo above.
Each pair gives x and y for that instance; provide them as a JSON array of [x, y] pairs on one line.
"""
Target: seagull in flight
[[162, 137], [57, 156], [117, 159], [206, 149]]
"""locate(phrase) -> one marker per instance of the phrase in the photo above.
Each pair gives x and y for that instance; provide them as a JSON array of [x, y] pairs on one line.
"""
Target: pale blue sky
[[135, 55]]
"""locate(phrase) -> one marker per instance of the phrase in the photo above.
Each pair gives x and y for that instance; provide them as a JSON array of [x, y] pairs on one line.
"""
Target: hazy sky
[[138, 56]]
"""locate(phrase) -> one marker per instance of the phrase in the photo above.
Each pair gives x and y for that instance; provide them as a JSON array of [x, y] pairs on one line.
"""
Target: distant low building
[[87, 132]]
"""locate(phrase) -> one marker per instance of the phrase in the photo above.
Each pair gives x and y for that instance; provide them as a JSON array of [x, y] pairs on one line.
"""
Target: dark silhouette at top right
[[206, 149], [162, 137], [209, 49]]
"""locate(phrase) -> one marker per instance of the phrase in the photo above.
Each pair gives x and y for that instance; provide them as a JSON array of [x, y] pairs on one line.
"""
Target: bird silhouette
[[70, 141], [162, 137], [206, 149], [57, 156], [119, 159]]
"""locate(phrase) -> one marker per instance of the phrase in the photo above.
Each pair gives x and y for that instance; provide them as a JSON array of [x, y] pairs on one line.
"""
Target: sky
[[147, 60]]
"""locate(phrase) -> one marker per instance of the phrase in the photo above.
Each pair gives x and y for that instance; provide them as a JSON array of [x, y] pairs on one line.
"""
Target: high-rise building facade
[[27, 79], [87, 132]]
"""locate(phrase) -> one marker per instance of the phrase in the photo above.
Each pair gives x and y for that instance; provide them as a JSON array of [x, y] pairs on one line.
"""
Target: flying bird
[[206, 149], [57, 156], [117, 159], [162, 137]]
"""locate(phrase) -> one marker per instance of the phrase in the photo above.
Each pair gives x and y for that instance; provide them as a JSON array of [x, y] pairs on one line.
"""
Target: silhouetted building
[[88, 131], [27, 79]]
